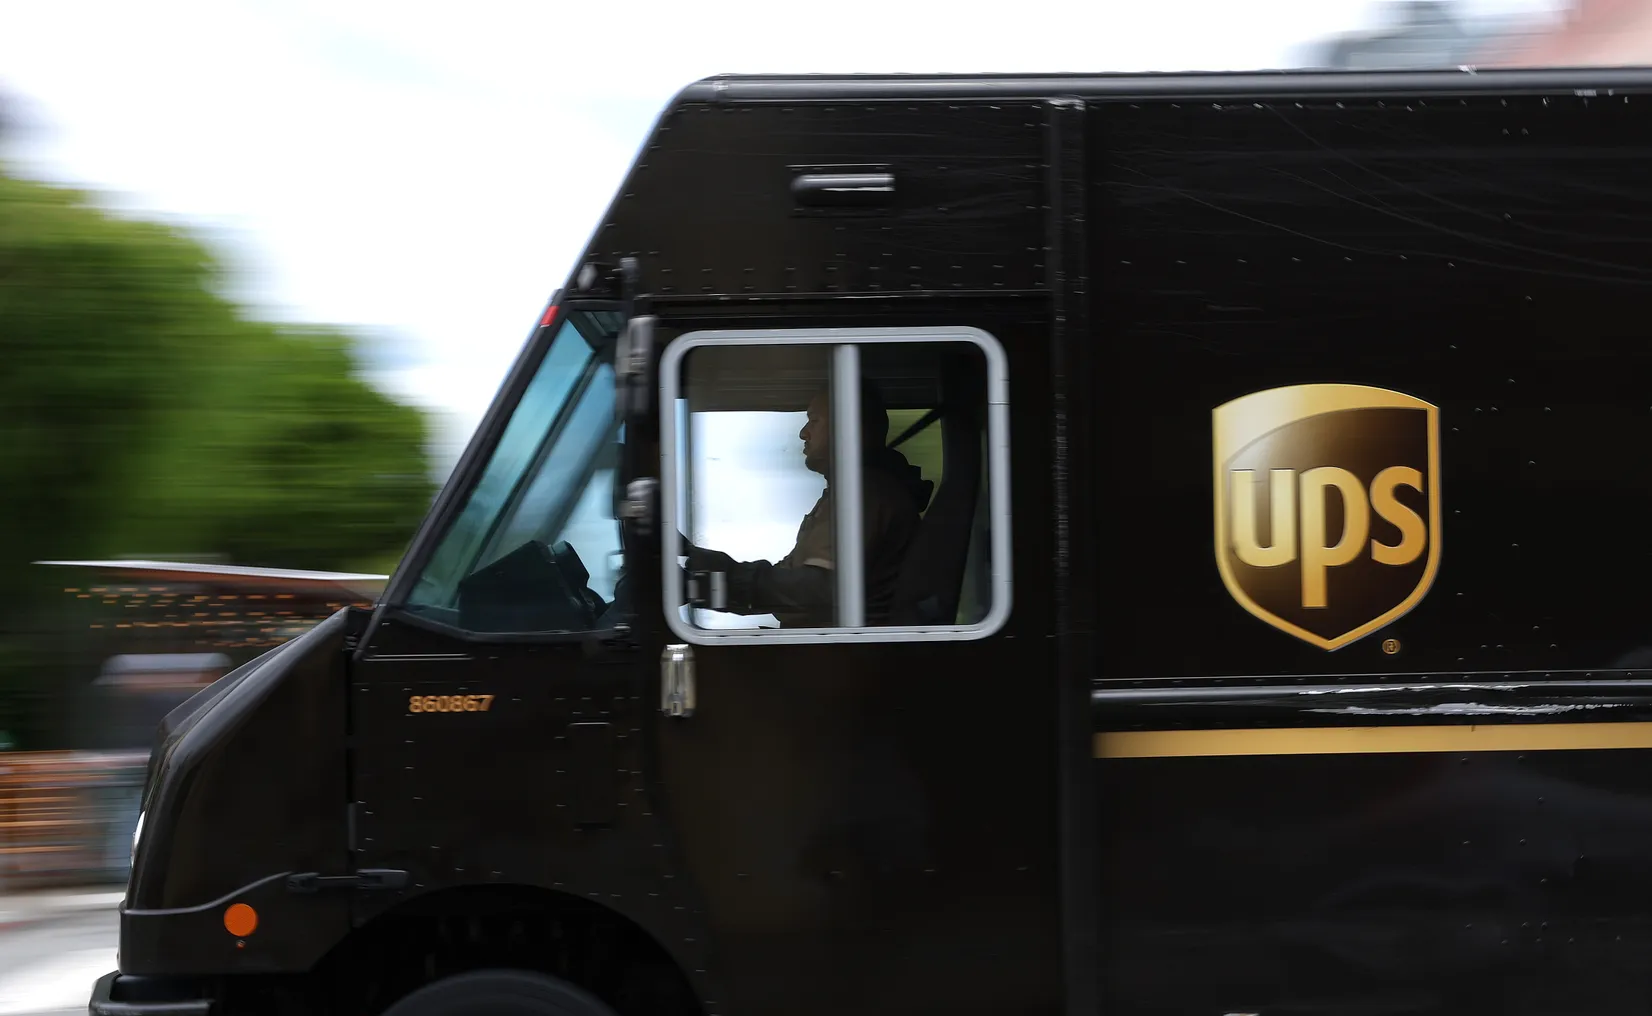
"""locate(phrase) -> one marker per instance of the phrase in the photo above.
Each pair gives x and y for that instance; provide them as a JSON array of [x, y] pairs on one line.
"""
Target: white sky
[[427, 172]]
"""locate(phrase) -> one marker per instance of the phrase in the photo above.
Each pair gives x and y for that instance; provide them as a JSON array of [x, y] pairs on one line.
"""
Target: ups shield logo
[[1327, 507]]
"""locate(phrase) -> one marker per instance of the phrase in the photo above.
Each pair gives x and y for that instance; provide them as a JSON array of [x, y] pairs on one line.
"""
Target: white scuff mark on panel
[[1468, 709]]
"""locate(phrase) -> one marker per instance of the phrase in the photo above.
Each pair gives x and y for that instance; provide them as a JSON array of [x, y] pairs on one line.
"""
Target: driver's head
[[817, 432]]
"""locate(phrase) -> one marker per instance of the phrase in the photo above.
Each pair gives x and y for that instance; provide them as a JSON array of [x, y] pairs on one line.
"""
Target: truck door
[[855, 741], [491, 697]]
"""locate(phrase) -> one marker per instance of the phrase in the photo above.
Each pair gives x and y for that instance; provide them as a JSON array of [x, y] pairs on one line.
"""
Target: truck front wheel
[[499, 993]]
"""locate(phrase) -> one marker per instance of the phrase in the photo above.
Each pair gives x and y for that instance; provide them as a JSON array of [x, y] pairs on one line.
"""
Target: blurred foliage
[[282, 458], [141, 413]]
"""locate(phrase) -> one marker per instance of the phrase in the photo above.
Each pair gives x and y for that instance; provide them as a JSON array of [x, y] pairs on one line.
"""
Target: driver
[[800, 589]]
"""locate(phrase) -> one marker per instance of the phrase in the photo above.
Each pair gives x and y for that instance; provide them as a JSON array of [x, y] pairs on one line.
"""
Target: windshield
[[547, 491]]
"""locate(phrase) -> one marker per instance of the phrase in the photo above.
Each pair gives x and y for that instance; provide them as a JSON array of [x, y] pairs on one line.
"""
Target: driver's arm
[[759, 587], [802, 582]]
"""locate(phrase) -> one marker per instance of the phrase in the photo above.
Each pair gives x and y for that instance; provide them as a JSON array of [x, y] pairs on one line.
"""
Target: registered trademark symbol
[[1390, 646]]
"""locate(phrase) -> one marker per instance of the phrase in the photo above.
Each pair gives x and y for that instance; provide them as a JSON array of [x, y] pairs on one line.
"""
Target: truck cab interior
[[935, 396]]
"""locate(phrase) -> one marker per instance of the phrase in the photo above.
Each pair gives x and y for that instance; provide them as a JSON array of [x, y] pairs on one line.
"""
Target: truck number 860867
[[449, 703]]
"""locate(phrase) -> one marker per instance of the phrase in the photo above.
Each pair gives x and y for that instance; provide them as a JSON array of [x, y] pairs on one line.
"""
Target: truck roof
[[1125, 87]]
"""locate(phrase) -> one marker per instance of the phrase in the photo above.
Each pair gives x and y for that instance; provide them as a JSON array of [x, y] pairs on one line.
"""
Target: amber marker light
[[240, 920]]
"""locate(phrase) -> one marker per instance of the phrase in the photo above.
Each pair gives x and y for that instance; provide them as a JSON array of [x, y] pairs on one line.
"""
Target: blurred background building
[[1415, 34], [138, 639]]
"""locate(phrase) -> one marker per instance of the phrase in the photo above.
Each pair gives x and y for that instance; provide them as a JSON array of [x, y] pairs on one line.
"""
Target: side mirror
[[640, 503], [633, 355], [636, 489]]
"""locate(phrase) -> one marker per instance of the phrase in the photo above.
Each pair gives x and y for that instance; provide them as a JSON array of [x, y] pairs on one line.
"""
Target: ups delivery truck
[[1223, 587]]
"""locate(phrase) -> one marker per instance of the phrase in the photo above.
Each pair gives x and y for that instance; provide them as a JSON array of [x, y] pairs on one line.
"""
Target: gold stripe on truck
[[1373, 740]]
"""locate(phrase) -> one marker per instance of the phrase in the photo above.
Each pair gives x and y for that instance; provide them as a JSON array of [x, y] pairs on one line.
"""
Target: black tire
[[500, 993]]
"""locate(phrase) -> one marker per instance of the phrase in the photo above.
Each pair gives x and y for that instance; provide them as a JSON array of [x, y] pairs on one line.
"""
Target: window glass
[[585, 450], [536, 547], [759, 464], [923, 447], [751, 486]]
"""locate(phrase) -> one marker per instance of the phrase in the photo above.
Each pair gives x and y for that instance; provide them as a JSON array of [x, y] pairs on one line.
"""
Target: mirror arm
[[636, 483]]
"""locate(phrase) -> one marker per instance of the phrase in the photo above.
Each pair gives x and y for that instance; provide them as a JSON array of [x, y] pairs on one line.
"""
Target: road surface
[[47, 966]]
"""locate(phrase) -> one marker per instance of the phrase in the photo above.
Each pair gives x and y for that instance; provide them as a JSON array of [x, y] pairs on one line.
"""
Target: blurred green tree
[[281, 457], [141, 412]]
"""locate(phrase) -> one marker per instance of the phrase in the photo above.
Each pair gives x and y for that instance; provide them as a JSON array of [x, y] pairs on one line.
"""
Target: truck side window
[[783, 449], [536, 547]]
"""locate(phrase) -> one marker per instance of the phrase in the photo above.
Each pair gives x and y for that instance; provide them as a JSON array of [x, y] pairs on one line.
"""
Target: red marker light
[[550, 315]]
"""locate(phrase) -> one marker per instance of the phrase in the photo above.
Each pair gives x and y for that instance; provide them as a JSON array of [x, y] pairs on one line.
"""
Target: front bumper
[[118, 995]]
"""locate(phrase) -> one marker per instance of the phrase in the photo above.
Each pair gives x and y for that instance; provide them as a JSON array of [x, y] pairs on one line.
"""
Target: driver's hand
[[684, 576], [709, 560]]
